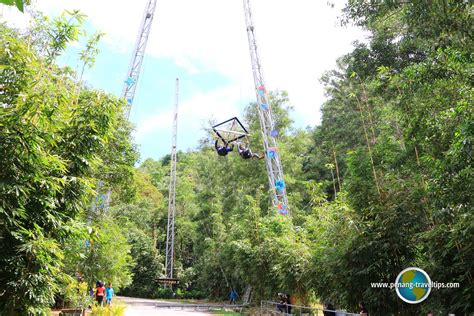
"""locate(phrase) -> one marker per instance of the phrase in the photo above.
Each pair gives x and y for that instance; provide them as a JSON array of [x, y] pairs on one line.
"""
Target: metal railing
[[275, 308]]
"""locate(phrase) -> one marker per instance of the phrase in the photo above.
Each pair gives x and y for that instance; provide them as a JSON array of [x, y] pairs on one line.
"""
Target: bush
[[116, 310], [194, 294], [77, 294], [161, 292]]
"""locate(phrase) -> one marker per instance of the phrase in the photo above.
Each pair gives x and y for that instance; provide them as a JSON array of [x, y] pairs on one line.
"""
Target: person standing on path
[[109, 294], [363, 309], [100, 293], [233, 296]]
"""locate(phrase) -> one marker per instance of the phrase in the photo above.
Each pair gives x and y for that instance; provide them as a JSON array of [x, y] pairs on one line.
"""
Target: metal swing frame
[[238, 135]]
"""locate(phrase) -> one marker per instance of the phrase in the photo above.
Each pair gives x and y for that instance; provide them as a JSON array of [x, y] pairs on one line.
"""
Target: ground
[[146, 307]]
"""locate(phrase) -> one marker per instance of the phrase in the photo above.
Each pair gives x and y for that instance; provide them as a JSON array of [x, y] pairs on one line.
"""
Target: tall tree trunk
[[369, 148], [337, 168]]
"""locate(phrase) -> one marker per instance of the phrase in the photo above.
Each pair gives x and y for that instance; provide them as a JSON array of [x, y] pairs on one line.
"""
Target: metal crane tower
[[267, 123], [133, 73], [172, 193]]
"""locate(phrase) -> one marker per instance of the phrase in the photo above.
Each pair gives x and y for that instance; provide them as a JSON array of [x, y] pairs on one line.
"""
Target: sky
[[204, 44]]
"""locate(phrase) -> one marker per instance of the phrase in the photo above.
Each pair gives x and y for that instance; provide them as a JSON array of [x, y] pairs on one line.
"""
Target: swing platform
[[168, 281], [230, 131]]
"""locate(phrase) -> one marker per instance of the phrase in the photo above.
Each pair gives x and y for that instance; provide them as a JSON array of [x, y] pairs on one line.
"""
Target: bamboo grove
[[383, 183]]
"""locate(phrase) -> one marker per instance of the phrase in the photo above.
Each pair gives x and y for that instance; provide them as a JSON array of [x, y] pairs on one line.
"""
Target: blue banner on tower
[[130, 81], [271, 152], [280, 185]]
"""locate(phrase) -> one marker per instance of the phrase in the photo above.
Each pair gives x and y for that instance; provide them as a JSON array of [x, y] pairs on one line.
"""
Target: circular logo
[[413, 285]]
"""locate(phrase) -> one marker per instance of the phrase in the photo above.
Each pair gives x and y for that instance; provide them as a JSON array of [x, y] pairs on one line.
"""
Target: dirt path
[[146, 307]]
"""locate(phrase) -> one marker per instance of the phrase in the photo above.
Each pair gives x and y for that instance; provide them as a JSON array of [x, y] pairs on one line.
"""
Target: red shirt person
[[99, 294]]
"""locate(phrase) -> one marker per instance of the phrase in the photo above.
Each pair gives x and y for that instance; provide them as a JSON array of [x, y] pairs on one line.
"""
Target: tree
[[52, 141], [396, 93]]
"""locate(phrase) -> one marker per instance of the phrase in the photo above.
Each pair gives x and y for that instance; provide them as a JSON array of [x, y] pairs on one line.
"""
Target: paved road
[[146, 307]]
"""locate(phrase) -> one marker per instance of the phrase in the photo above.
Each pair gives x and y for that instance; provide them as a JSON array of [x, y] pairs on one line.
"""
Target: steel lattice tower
[[267, 123], [130, 84], [133, 73], [172, 193]]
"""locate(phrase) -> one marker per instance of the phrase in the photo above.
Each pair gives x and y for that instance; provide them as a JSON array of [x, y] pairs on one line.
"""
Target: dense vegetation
[[383, 183]]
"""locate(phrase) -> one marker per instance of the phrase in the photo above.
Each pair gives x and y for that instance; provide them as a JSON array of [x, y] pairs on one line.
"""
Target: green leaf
[[20, 5], [8, 2]]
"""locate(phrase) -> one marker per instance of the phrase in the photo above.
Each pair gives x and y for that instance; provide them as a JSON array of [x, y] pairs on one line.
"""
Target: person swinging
[[224, 149], [246, 153]]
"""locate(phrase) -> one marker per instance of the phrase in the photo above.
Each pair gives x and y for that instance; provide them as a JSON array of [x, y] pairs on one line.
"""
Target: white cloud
[[194, 113], [186, 64], [297, 40]]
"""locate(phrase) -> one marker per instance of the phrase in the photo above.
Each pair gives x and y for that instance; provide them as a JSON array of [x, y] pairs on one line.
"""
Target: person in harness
[[246, 153], [223, 150]]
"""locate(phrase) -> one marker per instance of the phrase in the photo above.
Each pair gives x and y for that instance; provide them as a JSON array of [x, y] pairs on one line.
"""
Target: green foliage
[[226, 233], [52, 141], [161, 292], [103, 254], [32, 273], [148, 268], [382, 184], [87, 56], [66, 29], [405, 93], [114, 310], [77, 294]]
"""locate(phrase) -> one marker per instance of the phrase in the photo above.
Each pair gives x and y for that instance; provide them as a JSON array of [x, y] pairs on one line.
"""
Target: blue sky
[[204, 44]]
